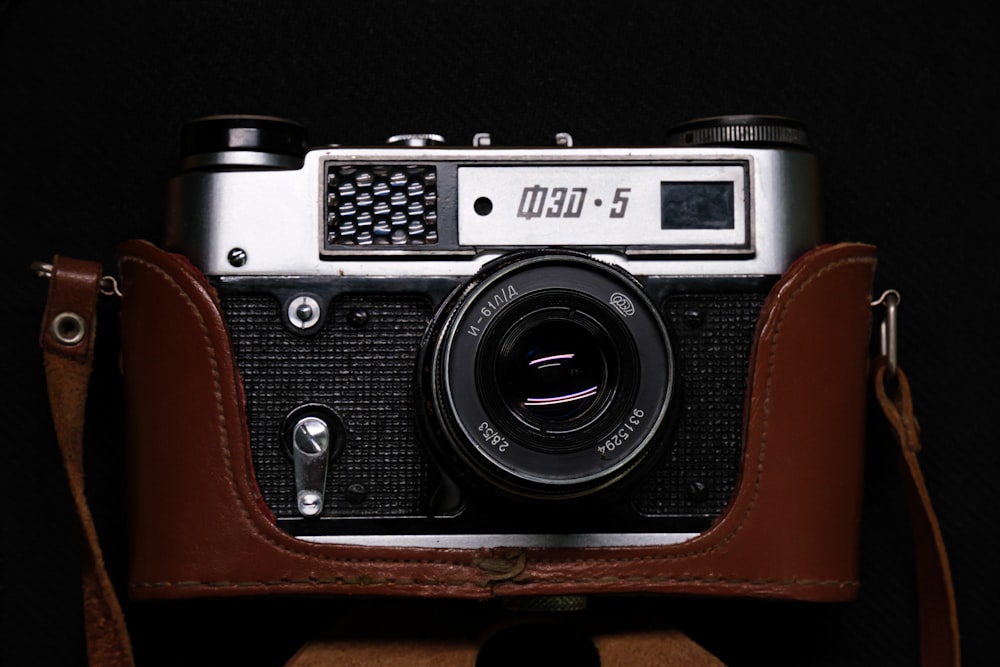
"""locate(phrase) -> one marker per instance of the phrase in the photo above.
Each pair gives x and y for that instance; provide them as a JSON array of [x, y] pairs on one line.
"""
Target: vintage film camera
[[472, 372], [479, 346]]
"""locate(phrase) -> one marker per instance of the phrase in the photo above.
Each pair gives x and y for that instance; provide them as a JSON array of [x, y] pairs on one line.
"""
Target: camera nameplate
[[608, 205]]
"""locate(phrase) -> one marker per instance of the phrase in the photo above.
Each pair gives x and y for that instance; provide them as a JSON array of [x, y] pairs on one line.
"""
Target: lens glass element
[[552, 371]]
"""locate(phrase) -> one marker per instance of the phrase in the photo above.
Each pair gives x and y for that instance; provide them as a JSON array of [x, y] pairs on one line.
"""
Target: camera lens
[[551, 372], [550, 375], [555, 367]]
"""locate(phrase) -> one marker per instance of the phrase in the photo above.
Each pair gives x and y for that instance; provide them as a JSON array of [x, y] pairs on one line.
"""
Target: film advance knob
[[741, 130]]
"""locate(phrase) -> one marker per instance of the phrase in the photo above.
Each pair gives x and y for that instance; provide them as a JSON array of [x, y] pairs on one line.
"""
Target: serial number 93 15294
[[618, 438]]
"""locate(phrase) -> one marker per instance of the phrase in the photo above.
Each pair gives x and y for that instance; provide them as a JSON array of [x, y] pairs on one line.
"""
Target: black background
[[899, 100]]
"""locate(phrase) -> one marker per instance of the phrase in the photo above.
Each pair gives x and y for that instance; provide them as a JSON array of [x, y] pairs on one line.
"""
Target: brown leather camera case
[[199, 528]]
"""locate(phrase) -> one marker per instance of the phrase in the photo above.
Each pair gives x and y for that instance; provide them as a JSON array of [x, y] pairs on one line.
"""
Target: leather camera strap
[[69, 328], [939, 636], [67, 341]]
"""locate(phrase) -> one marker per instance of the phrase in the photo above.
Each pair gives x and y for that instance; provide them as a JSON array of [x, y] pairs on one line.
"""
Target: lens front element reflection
[[554, 371]]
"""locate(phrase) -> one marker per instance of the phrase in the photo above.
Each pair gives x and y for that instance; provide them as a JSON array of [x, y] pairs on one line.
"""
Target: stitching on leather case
[[406, 581]]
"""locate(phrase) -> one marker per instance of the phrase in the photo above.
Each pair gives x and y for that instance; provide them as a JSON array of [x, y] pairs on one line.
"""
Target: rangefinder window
[[696, 205]]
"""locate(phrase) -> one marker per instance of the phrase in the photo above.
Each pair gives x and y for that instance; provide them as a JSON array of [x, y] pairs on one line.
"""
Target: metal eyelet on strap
[[68, 328]]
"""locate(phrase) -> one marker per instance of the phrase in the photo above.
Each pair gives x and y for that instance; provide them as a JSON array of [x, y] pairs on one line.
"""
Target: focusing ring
[[529, 449]]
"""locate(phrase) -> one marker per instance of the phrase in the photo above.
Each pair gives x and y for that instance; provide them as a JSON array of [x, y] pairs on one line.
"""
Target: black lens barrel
[[550, 375]]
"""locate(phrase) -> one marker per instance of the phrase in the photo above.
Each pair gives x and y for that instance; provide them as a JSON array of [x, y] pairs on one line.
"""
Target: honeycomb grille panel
[[380, 205]]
